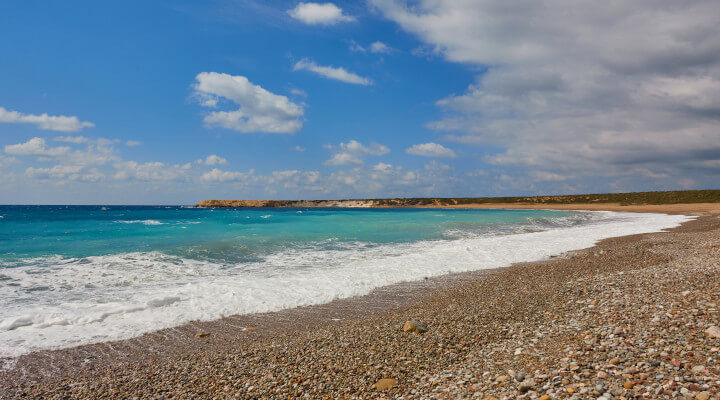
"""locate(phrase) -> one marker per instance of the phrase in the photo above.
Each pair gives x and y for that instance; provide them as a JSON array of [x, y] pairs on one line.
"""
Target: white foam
[[141, 221], [63, 302]]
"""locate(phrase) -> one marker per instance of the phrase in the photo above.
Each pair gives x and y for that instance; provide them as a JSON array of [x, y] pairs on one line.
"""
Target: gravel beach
[[634, 317]]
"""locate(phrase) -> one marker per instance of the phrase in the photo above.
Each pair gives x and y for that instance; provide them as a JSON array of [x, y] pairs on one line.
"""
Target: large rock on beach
[[414, 326], [385, 383], [713, 332]]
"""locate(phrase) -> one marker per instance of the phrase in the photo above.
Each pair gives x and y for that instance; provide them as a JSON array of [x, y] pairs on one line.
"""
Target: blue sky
[[174, 102]]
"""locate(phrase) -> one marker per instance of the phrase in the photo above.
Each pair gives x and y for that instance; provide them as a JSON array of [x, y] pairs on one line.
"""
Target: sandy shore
[[625, 319], [709, 208]]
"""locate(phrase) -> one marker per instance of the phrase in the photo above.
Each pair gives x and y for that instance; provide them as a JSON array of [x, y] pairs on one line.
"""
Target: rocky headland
[[589, 201]]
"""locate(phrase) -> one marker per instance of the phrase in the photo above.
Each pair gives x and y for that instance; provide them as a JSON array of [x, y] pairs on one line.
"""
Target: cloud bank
[[577, 89]]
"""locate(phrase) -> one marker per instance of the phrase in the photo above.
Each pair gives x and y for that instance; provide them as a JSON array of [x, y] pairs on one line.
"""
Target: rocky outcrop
[[288, 203]]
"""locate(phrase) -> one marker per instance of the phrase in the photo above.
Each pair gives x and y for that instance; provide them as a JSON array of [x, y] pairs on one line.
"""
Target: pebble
[[385, 383], [414, 326]]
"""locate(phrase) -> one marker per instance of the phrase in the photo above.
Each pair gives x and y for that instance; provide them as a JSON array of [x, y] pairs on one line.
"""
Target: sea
[[71, 275]]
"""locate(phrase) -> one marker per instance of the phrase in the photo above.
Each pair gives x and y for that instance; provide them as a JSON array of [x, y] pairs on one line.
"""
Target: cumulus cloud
[[60, 173], [382, 167], [569, 92], [430, 150], [336, 73], [132, 143], [44, 121], [212, 160], [319, 13], [217, 176], [259, 110], [353, 152], [35, 147], [149, 171]]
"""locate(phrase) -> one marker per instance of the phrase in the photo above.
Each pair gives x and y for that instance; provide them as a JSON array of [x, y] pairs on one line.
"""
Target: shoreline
[[689, 209], [217, 340]]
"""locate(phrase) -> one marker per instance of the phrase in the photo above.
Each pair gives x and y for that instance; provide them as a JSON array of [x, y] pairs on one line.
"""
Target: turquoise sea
[[78, 274]]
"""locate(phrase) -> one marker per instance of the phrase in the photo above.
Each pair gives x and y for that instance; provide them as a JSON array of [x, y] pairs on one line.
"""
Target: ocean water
[[71, 275]]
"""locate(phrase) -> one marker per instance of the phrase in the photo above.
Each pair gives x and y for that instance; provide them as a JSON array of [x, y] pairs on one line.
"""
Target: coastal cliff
[[636, 198], [287, 203]]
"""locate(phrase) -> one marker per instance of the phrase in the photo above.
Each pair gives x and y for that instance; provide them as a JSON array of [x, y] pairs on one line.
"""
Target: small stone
[[698, 369], [628, 385], [546, 397], [502, 378], [202, 334], [385, 383], [713, 332], [413, 326], [702, 396], [525, 386]]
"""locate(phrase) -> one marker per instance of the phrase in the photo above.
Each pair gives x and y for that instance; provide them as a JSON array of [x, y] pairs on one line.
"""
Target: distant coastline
[[667, 201]]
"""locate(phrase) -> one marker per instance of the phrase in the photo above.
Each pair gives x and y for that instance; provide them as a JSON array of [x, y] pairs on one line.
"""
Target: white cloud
[[71, 139], [353, 152], [217, 175], [64, 172], [549, 176], [132, 143], [44, 121], [212, 160], [380, 48], [567, 92], [319, 13], [35, 147], [355, 47], [336, 73], [298, 92], [299, 148], [149, 171], [5, 161], [430, 150], [382, 167], [260, 110], [376, 47]]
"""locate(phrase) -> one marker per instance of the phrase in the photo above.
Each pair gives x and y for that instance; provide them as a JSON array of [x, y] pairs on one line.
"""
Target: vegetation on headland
[[634, 198]]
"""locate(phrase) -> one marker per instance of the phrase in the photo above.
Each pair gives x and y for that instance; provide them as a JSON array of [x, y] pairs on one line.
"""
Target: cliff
[[288, 203]]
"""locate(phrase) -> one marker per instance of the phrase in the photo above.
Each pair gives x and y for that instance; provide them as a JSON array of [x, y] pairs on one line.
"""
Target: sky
[[173, 102]]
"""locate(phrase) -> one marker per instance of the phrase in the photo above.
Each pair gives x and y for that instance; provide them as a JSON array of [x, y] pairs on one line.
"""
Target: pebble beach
[[633, 317]]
